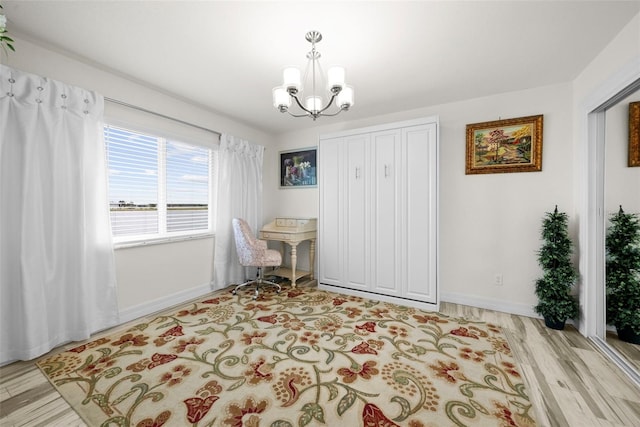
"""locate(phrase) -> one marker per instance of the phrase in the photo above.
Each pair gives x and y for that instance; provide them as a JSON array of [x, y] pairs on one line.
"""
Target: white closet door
[[378, 212], [356, 235], [330, 231], [385, 214], [420, 212]]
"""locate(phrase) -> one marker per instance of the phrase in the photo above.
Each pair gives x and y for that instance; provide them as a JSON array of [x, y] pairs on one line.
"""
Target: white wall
[[153, 277], [489, 224], [149, 277]]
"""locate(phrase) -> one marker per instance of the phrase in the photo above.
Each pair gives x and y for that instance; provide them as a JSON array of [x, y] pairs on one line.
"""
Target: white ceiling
[[228, 55]]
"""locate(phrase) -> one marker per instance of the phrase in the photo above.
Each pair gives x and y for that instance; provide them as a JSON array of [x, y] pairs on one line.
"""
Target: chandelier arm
[[319, 113], [300, 104], [333, 96], [333, 114], [299, 115]]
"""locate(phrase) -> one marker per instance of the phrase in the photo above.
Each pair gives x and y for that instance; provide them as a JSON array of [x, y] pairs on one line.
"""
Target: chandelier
[[313, 106]]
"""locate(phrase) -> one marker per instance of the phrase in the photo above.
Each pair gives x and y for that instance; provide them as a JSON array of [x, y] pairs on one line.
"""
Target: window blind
[[158, 187]]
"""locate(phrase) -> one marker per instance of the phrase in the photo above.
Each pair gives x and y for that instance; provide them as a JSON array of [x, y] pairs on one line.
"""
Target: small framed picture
[[511, 145], [634, 134], [298, 168]]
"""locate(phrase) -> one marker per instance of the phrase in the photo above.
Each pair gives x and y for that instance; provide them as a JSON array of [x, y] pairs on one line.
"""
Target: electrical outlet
[[498, 280]]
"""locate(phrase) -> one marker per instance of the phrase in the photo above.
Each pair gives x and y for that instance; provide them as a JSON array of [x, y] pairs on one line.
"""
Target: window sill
[[160, 240]]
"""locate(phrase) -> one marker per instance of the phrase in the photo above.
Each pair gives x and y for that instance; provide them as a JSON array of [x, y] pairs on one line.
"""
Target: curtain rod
[[135, 107]]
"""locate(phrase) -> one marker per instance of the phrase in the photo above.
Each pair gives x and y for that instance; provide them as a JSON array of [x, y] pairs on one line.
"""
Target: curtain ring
[[38, 99], [11, 81]]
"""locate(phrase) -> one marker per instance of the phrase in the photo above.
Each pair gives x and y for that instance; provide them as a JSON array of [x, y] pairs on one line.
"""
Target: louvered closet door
[[356, 235], [385, 215]]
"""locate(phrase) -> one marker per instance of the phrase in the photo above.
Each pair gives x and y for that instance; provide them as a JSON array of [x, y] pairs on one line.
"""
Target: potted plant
[[623, 275], [555, 303]]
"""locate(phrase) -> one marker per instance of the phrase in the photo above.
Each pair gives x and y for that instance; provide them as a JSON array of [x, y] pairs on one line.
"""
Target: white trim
[[161, 240], [503, 306], [592, 227], [377, 128], [614, 85], [149, 307], [380, 297], [618, 359]]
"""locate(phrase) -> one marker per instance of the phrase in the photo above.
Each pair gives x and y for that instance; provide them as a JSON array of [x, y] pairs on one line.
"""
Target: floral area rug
[[304, 357]]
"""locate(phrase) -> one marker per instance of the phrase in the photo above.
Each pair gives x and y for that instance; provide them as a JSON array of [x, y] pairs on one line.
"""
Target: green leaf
[[346, 402], [311, 411], [100, 400], [333, 391], [478, 407], [418, 350], [281, 423], [117, 420], [404, 405], [304, 419], [519, 404], [330, 356], [237, 384]]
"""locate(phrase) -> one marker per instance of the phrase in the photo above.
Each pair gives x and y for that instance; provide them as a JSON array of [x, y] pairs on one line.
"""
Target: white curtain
[[239, 196], [57, 274]]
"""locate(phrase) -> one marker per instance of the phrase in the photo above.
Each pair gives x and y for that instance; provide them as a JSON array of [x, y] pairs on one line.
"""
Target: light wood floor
[[570, 382], [630, 352]]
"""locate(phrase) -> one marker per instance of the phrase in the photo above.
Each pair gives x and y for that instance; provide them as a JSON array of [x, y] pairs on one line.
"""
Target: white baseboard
[[141, 310], [149, 307], [490, 304], [380, 297]]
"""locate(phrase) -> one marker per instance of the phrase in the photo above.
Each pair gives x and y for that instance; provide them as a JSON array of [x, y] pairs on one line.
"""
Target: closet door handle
[[386, 171], [357, 172]]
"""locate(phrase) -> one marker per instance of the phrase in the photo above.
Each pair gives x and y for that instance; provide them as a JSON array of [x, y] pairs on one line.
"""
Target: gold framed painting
[[510, 145], [634, 134]]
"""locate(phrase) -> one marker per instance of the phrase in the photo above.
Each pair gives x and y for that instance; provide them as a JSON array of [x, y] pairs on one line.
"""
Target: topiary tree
[[623, 275], [555, 303]]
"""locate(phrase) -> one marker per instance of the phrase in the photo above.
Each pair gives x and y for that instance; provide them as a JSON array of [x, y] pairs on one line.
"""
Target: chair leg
[[259, 281]]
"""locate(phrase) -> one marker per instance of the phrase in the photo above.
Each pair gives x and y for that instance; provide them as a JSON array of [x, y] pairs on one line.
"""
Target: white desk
[[292, 231]]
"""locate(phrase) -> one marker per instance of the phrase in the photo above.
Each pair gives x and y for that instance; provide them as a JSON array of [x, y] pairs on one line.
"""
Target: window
[[159, 188]]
